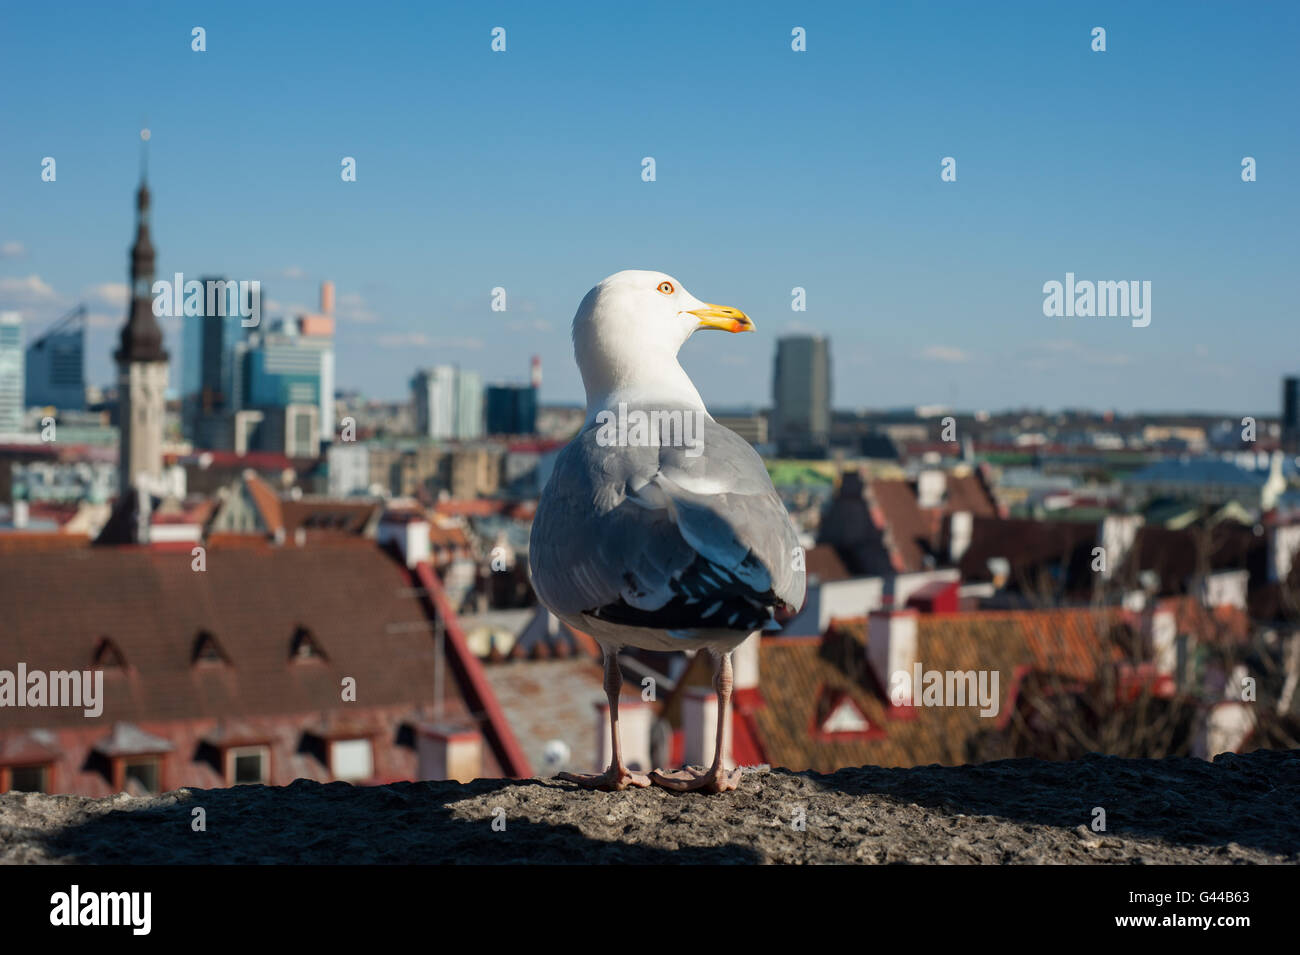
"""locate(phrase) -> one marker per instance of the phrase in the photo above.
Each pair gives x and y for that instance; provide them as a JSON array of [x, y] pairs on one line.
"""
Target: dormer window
[[207, 651], [838, 714], [303, 646], [107, 656]]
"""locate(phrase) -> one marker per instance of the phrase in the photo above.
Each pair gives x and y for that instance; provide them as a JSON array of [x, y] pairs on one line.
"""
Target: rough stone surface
[[1240, 809]]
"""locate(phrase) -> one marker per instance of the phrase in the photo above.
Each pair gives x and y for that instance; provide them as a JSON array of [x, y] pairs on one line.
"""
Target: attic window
[[304, 646], [207, 651], [107, 656], [838, 714]]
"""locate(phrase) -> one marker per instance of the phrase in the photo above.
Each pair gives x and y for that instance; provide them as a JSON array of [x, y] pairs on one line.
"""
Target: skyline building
[[801, 393], [1291, 413], [12, 361], [469, 405], [511, 409], [289, 363], [448, 403], [209, 350], [55, 374]]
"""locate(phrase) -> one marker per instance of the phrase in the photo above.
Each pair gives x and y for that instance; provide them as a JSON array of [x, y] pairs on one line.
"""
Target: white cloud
[[12, 250], [944, 353], [292, 273], [101, 320], [25, 291], [351, 307], [110, 293]]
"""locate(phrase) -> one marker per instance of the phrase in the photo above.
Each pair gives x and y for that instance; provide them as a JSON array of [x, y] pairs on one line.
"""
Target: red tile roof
[[365, 611]]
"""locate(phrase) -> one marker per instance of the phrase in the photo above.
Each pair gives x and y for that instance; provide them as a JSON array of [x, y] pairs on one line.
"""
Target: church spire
[[142, 339]]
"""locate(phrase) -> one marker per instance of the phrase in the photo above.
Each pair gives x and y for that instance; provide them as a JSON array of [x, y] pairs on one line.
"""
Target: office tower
[[11, 373], [142, 368], [288, 363], [801, 392], [210, 342], [434, 393], [55, 365], [469, 405], [511, 409], [1291, 414]]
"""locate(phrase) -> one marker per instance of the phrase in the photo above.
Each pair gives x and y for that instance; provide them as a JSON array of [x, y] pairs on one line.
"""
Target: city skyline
[[797, 171]]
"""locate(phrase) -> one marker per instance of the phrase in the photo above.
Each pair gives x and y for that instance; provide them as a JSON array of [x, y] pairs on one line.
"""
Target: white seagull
[[659, 528]]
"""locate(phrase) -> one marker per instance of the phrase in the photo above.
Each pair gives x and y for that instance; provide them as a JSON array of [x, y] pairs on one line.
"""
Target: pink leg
[[715, 779], [617, 776]]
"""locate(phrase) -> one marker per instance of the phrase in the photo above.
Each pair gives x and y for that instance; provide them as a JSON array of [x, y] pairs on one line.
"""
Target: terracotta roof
[[364, 610], [327, 515], [29, 541], [908, 532], [1179, 555], [547, 700], [1060, 551], [967, 491], [824, 563], [798, 676], [266, 501]]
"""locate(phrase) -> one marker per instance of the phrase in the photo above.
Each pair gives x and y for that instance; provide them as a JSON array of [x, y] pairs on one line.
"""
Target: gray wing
[[664, 538]]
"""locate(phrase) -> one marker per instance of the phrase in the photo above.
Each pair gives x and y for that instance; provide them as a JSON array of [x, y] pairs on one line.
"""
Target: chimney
[[1283, 542], [744, 664], [20, 514], [1162, 629], [411, 535], [449, 753], [961, 528], [700, 724], [1116, 535], [327, 297], [634, 722], [891, 645], [537, 372], [930, 487]]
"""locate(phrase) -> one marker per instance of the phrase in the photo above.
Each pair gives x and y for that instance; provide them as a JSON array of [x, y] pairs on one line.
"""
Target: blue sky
[[775, 169]]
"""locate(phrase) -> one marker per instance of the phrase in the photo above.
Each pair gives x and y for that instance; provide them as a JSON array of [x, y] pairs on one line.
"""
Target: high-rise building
[[11, 373], [1291, 414], [511, 409], [142, 368], [55, 365], [448, 403], [289, 363], [801, 392], [469, 405], [434, 393], [210, 344]]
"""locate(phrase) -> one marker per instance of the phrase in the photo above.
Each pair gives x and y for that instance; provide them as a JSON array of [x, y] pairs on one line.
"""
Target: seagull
[[659, 528]]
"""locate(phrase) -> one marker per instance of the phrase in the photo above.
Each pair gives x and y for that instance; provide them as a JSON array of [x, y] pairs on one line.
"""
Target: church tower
[[142, 369]]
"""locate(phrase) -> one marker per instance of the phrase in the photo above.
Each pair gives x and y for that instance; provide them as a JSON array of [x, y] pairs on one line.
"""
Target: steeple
[[142, 339], [142, 385]]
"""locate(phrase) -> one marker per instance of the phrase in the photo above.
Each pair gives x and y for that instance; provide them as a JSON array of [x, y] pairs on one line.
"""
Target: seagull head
[[628, 329]]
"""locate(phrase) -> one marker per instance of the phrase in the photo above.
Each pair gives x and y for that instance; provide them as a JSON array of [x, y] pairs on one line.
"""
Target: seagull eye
[[666, 288]]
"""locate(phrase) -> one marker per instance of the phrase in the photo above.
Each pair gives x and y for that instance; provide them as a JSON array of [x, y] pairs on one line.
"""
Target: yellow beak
[[720, 316]]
